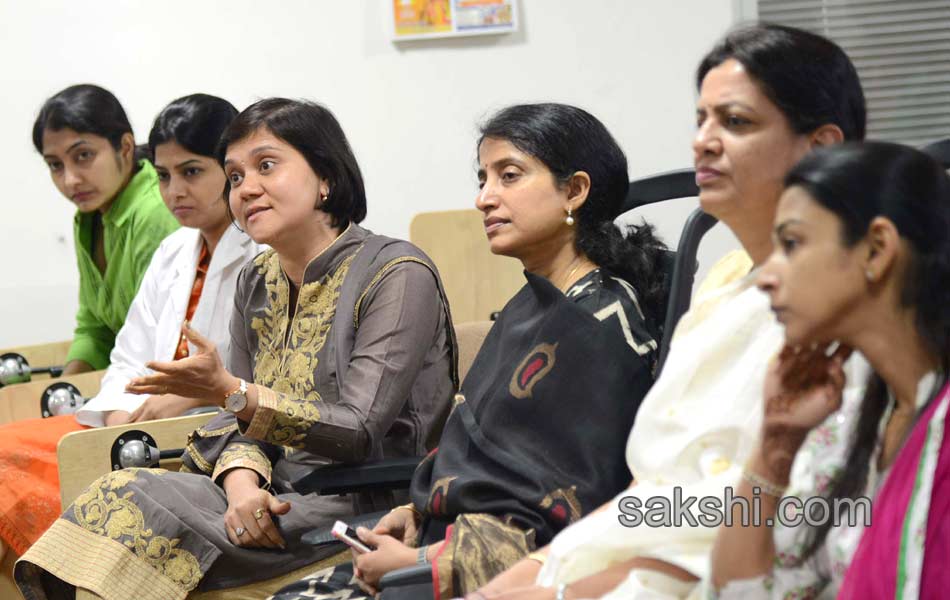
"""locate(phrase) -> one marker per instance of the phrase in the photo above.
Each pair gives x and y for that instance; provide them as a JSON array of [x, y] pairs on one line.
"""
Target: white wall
[[410, 110]]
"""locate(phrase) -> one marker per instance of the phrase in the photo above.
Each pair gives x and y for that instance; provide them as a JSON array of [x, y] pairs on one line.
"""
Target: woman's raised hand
[[803, 387], [201, 376]]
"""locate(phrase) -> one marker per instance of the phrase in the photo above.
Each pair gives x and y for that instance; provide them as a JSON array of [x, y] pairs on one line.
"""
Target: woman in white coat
[[191, 277]]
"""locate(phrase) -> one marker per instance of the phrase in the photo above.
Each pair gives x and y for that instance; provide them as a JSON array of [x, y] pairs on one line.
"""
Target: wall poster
[[421, 19]]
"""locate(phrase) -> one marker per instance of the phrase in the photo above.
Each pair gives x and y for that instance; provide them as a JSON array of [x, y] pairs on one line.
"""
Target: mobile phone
[[345, 534]]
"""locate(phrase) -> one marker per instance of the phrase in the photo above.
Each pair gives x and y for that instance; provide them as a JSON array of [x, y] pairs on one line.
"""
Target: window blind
[[901, 49]]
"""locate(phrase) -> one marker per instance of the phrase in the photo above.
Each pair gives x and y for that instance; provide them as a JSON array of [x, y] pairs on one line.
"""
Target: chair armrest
[[323, 535], [338, 479], [414, 575], [84, 456]]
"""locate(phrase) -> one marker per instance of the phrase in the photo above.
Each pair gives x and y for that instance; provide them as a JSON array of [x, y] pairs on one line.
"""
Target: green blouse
[[133, 227]]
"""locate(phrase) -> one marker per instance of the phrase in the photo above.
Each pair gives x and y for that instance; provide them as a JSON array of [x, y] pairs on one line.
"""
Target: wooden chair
[[43, 355], [22, 401], [476, 281], [83, 456]]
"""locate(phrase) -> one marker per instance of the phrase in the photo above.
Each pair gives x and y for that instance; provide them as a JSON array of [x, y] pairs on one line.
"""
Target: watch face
[[236, 402]]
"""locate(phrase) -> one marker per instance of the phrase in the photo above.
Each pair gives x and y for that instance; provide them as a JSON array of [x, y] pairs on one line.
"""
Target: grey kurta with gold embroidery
[[374, 381]]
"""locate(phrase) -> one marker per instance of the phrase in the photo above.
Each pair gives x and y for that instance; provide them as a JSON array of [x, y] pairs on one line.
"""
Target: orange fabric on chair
[[29, 479]]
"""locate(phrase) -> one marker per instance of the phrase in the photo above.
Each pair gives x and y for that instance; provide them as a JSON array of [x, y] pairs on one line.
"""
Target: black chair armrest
[[338, 479], [409, 576], [324, 535], [684, 273]]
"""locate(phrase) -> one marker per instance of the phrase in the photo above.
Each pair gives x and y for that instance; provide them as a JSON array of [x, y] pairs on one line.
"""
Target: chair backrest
[[83, 456], [22, 400], [476, 281], [674, 185], [939, 151], [470, 337], [52, 354]]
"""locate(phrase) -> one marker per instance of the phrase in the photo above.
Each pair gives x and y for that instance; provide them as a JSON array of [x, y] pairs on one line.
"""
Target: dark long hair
[[314, 132], [808, 77], [567, 139], [194, 122], [86, 108], [859, 182]]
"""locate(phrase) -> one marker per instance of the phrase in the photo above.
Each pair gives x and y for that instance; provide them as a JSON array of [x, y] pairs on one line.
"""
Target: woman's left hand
[[390, 554], [803, 386], [201, 376]]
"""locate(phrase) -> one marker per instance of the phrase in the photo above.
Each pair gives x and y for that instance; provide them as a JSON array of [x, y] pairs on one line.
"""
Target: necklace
[[564, 283]]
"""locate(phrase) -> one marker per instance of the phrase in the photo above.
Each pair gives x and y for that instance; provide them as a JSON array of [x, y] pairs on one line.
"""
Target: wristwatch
[[236, 401]]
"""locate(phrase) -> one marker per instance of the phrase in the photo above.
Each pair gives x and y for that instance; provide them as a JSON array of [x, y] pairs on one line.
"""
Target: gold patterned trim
[[379, 275], [206, 433], [107, 509], [287, 349], [282, 420], [480, 547], [263, 418], [199, 460], [92, 563], [240, 455]]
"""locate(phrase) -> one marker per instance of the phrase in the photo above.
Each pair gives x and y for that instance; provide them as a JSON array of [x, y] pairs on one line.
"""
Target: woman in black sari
[[536, 437]]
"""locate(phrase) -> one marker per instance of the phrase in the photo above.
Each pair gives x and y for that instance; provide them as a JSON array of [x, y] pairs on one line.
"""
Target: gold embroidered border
[[199, 460], [92, 563], [263, 418], [206, 433], [379, 275], [245, 456]]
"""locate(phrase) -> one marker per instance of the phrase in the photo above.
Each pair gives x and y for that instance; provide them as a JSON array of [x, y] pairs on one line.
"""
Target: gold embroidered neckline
[[318, 255], [286, 356]]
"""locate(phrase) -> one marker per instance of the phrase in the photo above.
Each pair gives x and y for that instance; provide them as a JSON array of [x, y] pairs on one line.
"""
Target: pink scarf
[[906, 551]]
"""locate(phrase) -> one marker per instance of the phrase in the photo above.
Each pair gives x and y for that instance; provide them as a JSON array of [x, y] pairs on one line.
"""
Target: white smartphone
[[345, 534]]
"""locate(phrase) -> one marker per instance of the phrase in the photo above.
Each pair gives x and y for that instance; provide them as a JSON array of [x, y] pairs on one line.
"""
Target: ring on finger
[[259, 514], [239, 531]]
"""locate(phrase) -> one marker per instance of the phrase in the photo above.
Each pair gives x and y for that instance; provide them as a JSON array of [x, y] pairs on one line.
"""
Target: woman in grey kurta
[[354, 362]]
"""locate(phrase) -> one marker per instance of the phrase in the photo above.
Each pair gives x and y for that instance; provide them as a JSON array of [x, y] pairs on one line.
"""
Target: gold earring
[[570, 218]]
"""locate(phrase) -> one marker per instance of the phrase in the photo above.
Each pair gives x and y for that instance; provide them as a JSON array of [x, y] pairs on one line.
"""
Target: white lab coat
[[153, 324]]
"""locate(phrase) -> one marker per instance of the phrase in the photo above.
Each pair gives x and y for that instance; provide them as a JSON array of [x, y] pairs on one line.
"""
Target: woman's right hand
[[802, 388], [399, 523], [249, 511]]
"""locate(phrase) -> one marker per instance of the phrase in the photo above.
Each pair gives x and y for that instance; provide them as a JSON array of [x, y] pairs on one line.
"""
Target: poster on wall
[[422, 19]]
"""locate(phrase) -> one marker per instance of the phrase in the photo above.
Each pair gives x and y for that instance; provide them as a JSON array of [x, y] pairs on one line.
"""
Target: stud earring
[[570, 217], [869, 275]]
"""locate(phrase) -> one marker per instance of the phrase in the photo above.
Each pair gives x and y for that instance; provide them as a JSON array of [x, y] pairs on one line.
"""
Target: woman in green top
[[86, 139]]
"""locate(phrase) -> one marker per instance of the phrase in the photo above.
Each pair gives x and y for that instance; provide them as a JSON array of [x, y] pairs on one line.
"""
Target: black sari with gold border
[[536, 437]]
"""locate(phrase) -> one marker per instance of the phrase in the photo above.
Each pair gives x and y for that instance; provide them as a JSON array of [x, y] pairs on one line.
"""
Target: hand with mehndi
[[201, 376], [803, 386]]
